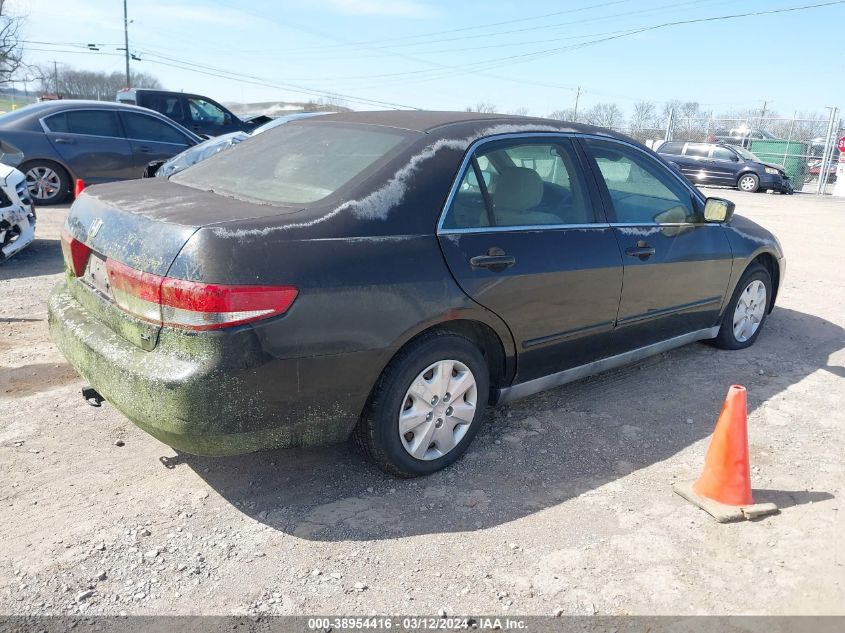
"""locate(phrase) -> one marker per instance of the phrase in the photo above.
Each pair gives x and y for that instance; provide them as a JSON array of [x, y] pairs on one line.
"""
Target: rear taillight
[[194, 305], [76, 253]]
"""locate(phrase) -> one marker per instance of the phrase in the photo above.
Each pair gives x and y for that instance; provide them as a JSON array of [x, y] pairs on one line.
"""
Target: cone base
[[723, 513]]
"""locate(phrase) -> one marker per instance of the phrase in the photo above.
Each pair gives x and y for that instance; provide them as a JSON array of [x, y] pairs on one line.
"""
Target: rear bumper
[[215, 394]]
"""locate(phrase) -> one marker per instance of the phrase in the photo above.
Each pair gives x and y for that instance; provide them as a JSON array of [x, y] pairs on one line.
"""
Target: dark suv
[[196, 112], [726, 165]]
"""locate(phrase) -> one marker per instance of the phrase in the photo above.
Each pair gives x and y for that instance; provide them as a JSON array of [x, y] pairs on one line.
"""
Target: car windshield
[[293, 164], [746, 154]]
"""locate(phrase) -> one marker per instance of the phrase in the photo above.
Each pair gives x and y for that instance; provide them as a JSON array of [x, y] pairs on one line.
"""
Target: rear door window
[[699, 150], [168, 105], [142, 127], [525, 184], [90, 122], [671, 148]]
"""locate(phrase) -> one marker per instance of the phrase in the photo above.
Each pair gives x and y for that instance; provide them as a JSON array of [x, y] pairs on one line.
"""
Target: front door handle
[[65, 141], [495, 260], [143, 149], [641, 250]]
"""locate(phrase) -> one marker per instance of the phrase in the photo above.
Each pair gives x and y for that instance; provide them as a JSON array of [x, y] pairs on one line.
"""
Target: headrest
[[518, 189]]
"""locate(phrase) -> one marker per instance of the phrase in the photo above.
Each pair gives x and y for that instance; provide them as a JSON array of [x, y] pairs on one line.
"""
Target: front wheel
[[748, 183], [426, 407], [746, 312]]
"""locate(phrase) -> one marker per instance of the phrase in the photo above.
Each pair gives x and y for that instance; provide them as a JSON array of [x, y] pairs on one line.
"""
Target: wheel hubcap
[[438, 409], [749, 311], [747, 183], [43, 183]]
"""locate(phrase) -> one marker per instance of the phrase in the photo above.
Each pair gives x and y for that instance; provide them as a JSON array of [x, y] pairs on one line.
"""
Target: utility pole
[[126, 41], [577, 97], [56, 76], [763, 113]]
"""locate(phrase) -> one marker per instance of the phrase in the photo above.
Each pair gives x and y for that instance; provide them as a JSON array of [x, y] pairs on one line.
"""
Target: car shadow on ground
[[42, 257], [534, 453]]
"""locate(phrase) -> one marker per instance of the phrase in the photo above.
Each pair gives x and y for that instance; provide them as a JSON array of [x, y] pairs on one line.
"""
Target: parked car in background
[[200, 114], [55, 142], [389, 274], [742, 136], [726, 165], [210, 147], [17, 215]]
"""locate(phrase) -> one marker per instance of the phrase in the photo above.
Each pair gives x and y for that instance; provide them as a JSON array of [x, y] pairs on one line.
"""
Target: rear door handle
[[641, 250], [65, 141], [143, 149], [495, 263]]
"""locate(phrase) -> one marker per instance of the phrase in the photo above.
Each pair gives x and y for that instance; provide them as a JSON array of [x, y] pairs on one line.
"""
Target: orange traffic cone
[[724, 487]]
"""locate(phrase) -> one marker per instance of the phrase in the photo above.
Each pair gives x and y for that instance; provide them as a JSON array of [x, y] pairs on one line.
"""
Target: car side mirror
[[227, 118], [718, 210]]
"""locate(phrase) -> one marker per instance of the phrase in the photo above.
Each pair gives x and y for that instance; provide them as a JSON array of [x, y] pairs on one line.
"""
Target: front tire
[[749, 183], [47, 182], [747, 310], [426, 407]]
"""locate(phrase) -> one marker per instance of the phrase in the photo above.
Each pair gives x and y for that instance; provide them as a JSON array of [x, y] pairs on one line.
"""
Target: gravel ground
[[562, 505]]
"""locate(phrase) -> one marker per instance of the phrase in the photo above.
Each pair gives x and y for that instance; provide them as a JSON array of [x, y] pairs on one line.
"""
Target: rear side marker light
[[194, 305], [76, 253]]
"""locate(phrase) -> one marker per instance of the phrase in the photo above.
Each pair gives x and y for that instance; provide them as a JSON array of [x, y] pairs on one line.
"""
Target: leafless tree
[[89, 84], [605, 115], [11, 52], [523, 111], [484, 107], [563, 115], [644, 120]]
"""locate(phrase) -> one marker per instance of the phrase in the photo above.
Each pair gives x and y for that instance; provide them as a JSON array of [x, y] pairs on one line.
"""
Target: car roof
[[80, 104], [442, 123]]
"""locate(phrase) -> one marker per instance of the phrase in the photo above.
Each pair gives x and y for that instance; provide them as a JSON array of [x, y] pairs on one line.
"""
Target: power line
[[238, 77], [512, 59]]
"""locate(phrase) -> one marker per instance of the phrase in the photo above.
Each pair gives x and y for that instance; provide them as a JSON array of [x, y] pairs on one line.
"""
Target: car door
[[152, 139], [676, 267], [208, 117], [524, 235], [91, 143], [724, 165]]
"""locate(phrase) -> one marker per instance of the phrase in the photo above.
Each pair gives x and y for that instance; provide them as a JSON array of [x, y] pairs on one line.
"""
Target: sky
[[446, 55]]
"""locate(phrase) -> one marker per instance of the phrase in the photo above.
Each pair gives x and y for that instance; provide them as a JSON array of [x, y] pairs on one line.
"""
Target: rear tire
[[749, 183], [746, 312], [435, 435], [47, 182]]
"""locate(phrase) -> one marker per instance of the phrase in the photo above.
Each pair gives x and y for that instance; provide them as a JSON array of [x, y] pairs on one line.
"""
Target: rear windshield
[[295, 163]]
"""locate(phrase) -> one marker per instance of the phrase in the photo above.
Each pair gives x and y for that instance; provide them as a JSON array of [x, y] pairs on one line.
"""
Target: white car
[[17, 215]]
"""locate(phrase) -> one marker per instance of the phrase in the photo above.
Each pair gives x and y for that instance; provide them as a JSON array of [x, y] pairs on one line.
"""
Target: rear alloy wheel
[[46, 182], [426, 407], [748, 183], [746, 312]]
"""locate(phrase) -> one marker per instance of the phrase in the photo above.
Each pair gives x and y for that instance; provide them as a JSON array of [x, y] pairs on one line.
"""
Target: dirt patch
[[563, 502]]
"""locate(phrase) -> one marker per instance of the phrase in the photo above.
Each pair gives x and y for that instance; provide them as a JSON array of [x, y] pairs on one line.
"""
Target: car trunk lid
[[143, 228]]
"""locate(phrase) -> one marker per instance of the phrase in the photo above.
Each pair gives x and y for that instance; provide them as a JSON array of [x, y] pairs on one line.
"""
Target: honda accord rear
[[386, 276]]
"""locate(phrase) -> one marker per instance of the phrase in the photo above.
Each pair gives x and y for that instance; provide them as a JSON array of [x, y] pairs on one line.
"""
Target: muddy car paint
[[17, 215], [371, 273]]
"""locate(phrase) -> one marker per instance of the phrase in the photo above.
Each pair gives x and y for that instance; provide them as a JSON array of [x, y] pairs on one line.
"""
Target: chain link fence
[[806, 148]]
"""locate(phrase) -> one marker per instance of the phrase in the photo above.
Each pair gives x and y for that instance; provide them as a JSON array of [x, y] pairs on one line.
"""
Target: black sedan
[[388, 275], [725, 165], [56, 142]]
